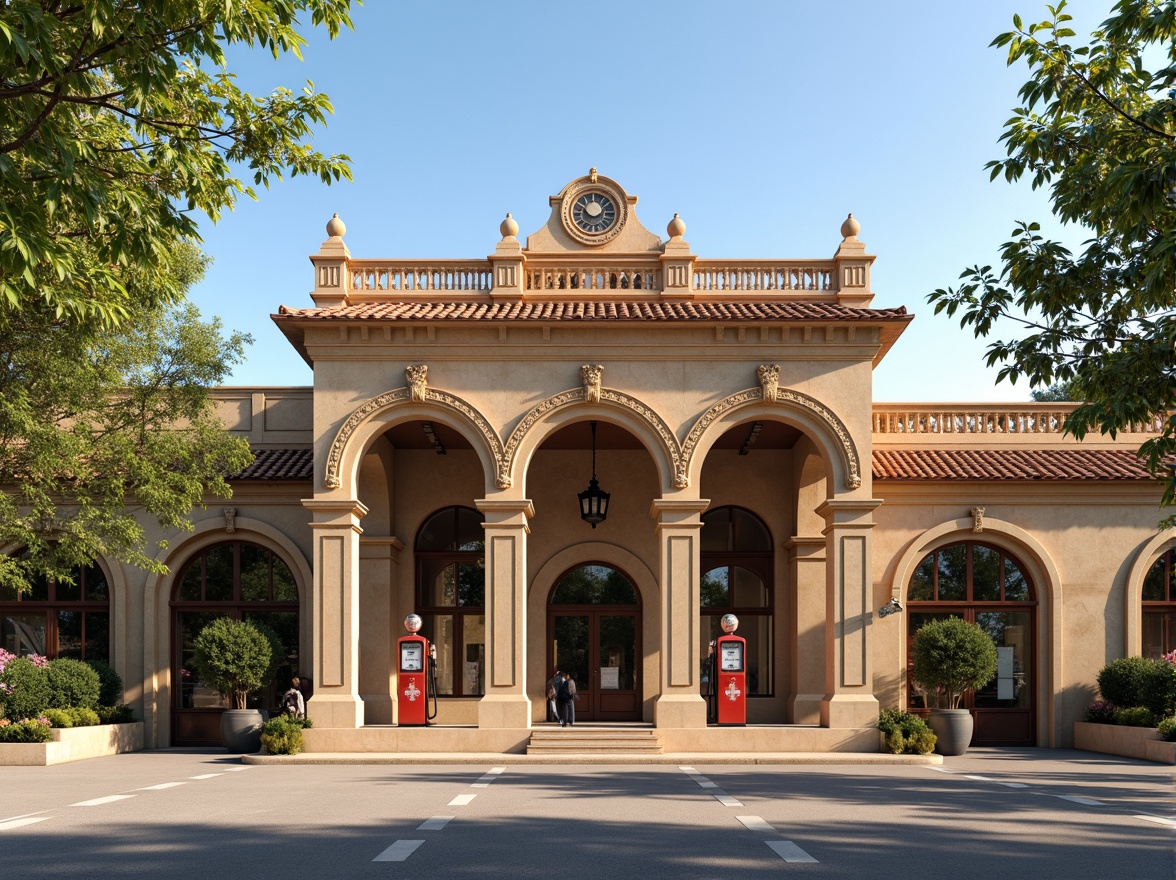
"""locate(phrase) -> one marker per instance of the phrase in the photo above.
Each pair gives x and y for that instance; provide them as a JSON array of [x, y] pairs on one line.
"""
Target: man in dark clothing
[[566, 700], [552, 691]]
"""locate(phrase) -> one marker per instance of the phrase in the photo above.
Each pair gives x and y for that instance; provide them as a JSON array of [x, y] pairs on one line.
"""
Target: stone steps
[[594, 741]]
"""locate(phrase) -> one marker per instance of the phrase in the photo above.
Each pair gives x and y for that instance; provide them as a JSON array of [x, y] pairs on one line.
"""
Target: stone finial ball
[[335, 227], [729, 623], [850, 228], [413, 623], [676, 227], [509, 227]]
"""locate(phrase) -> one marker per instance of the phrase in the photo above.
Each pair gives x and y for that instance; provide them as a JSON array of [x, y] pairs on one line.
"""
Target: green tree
[[950, 657], [119, 120], [234, 658], [98, 427], [1058, 392], [1096, 127]]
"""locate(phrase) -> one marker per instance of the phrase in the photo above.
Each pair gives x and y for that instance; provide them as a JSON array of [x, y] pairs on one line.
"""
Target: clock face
[[594, 213]]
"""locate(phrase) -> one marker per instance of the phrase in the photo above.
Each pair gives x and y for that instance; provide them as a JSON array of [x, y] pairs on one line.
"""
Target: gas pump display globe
[[729, 623], [413, 623]]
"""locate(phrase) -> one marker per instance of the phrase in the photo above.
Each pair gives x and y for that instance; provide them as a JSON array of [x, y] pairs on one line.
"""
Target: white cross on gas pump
[[412, 692], [732, 692]]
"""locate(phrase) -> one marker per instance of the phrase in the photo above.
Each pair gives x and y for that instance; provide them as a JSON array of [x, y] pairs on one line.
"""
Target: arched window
[[58, 619], [243, 581], [1159, 606], [737, 565], [451, 589], [985, 585]]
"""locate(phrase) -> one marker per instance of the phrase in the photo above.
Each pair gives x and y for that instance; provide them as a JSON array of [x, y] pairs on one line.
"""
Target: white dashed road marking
[[980, 778], [1013, 784], [399, 851], [235, 769], [204, 776], [727, 801], [721, 796], [1085, 801], [755, 823], [434, 824], [1159, 820], [97, 802], [161, 786], [790, 852], [21, 823], [462, 800]]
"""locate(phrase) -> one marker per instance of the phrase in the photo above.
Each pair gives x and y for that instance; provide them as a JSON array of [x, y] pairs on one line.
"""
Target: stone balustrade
[[995, 418], [579, 277], [414, 275], [804, 275]]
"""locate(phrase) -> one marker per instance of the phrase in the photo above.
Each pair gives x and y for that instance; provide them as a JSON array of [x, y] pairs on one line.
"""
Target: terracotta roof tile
[[279, 464], [1008, 464], [596, 310]]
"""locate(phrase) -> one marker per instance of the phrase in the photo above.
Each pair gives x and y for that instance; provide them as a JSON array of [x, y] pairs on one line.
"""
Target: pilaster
[[679, 536], [335, 612], [507, 264], [505, 703], [380, 615], [331, 281], [806, 616]]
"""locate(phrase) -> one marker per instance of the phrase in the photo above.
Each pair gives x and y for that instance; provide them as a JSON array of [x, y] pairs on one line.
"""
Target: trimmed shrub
[[111, 691], [120, 714], [83, 717], [1138, 681], [952, 657], [72, 684], [282, 735], [1101, 712], [1167, 729], [59, 718], [905, 732], [32, 730], [234, 658], [26, 690], [1135, 716]]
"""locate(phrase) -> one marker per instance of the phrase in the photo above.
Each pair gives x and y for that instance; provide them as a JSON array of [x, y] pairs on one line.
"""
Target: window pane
[[64, 592], [285, 590], [285, 624], [97, 644], [1016, 588], [1011, 689], [1158, 630], [190, 585], [714, 588], [69, 634], [594, 585], [617, 650], [23, 634], [192, 692], [716, 530], [750, 532], [750, 591], [953, 573], [436, 535], [470, 534], [471, 585], [473, 670], [1156, 583], [254, 573], [437, 582], [40, 591], [708, 630], [922, 587], [985, 574], [915, 699], [438, 629], [95, 582], [218, 574], [757, 629], [571, 647]]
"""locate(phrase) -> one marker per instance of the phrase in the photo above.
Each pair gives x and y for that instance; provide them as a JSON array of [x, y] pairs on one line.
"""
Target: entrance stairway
[[595, 741]]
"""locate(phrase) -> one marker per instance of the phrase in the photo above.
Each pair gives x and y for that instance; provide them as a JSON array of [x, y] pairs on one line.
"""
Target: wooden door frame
[[594, 613]]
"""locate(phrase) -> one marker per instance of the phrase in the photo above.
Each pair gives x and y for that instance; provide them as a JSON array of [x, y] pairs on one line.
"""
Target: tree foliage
[[119, 120], [99, 427], [1097, 128], [234, 657], [950, 657]]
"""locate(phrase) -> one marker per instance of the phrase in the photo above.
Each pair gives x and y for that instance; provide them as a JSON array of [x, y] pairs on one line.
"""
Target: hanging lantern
[[593, 500]]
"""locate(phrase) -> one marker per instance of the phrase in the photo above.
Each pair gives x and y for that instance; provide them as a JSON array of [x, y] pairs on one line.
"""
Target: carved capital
[[592, 375], [769, 380], [977, 519], [417, 375]]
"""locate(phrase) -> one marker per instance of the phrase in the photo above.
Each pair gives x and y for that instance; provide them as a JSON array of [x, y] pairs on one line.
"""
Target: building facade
[[461, 407]]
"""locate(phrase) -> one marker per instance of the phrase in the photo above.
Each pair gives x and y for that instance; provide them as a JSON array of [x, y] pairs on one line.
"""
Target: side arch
[[1046, 578], [807, 413], [614, 406], [1145, 557], [372, 417]]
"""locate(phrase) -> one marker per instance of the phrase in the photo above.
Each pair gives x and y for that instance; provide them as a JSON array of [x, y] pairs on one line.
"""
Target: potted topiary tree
[[951, 657], [235, 658]]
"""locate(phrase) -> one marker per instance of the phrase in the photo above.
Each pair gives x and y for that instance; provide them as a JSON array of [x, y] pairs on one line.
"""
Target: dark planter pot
[[953, 730], [241, 730]]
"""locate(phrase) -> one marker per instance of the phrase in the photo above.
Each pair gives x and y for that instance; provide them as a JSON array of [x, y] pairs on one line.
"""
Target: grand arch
[[1041, 569]]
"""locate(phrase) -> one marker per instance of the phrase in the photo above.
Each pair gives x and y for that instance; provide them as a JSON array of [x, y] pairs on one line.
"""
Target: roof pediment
[[593, 214]]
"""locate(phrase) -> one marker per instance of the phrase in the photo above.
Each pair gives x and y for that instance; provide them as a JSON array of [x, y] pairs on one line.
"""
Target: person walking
[[566, 700], [553, 691]]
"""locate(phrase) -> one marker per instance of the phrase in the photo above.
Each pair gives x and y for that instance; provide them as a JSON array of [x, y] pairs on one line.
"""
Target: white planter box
[[75, 744], [1130, 742]]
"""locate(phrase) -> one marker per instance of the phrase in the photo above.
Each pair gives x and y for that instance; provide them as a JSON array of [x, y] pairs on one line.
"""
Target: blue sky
[[762, 123]]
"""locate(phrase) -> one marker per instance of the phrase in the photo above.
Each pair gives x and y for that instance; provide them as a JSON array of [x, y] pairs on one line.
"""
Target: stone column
[[380, 626], [679, 536], [506, 703], [849, 699], [335, 612], [806, 613]]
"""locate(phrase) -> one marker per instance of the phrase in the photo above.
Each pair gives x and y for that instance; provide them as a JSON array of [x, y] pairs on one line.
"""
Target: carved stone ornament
[[592, 375], [230, 519], [977, 519], [769, 380], [417, 375]]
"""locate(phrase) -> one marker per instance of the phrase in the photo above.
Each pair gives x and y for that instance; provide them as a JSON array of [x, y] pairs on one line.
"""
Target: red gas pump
[[731, 683], [417, 680]]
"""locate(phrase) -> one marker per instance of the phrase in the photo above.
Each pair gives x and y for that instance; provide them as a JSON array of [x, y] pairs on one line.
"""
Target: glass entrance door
[[599, 650]]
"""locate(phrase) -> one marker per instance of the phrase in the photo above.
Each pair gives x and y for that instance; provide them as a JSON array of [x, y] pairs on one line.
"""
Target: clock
[[594, 212]]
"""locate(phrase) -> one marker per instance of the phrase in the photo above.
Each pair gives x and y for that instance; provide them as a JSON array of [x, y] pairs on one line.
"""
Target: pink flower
[[39, 660]]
